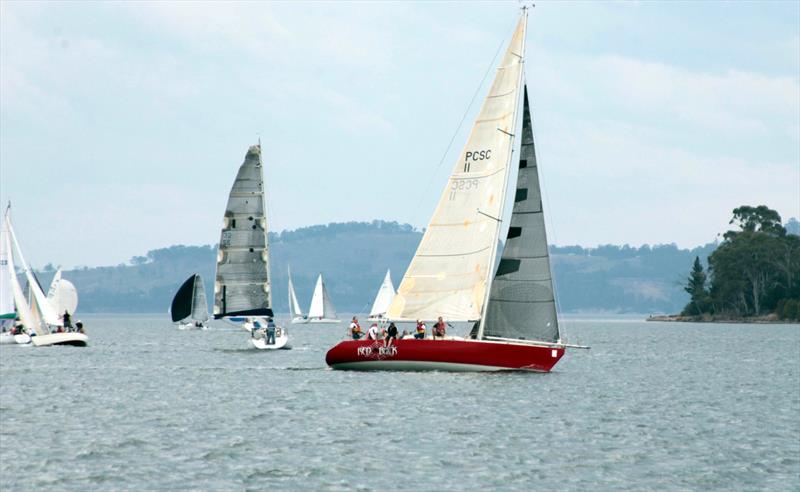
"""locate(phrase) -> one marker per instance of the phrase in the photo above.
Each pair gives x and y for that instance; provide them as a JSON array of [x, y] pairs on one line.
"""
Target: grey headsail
[[521, 301], [242, 286]]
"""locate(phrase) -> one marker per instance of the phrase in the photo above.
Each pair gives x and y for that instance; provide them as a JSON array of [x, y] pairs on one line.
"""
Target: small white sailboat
[[384, 298], [294, 307], [189, 308], [321, 310], [38, 316], [242, 293], [8, 314]]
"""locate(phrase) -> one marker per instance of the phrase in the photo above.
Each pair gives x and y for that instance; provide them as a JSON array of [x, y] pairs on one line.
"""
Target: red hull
[[446, 355]]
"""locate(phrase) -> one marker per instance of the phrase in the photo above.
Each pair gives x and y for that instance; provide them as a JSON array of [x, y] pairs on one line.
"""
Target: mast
[[491, 271]]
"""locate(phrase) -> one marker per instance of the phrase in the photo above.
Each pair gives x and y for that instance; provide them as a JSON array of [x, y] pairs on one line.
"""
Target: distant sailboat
[[242, 292], [38, 315], [511, 307], [384, 298], [7, 312], [189, 308], [294, 307], [321, 309]]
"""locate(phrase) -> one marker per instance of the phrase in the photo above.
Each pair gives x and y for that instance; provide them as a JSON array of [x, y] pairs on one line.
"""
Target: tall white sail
[[242, 286], [6, 291], [384, 298], [321, 305], [48, 312], [23, 308], [449, 273], [522, 300], [294, 306]]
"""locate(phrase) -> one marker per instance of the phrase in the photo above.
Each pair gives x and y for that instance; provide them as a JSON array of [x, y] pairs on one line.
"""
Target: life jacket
[[421, 328]]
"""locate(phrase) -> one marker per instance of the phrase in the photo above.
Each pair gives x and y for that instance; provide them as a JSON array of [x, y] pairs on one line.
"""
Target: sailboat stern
[[455, 355]]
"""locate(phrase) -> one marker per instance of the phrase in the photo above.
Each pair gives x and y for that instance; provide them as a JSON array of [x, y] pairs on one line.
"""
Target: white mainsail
[[47, 311], [294, 306], [321, 305], [23, 309], [6, 291], [454, 262], [242, 284], [384, 298]]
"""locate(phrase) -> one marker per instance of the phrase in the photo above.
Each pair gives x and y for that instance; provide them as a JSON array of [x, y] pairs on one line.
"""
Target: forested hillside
[[354, 256]]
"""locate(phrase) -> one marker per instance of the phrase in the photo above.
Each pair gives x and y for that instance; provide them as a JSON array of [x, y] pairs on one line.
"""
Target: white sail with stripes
[[454, 262]]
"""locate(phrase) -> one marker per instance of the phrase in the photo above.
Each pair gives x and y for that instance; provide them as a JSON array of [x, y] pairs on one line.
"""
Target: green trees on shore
[[754, 272]]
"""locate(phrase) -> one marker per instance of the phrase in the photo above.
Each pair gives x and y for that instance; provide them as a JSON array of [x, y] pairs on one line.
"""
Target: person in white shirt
[[372, 333], [355, 329]]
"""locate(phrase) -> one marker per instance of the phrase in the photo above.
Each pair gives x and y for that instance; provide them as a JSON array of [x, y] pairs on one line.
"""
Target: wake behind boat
[[242, 292], [511, 309]]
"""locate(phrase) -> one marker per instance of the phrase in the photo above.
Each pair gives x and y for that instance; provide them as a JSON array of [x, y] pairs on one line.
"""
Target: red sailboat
[[511, 309]]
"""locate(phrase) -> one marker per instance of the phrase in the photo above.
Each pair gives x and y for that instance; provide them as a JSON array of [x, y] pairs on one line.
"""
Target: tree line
[[754, 272]]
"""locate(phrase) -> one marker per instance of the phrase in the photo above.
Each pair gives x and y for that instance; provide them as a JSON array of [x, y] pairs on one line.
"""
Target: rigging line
[[458, 127]]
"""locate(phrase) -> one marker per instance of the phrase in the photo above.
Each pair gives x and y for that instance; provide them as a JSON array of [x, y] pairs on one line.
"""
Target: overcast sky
[[122, 125]]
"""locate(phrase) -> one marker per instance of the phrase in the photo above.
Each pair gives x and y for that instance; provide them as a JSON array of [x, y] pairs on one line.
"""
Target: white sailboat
[[242, 292], [384, 298], [8, 314], [321, 310], [294, 307], [454, 274], [189, 309], [38, 316]]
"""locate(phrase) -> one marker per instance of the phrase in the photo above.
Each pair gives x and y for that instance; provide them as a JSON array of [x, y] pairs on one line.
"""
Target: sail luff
[[451, 268], [491, 271]]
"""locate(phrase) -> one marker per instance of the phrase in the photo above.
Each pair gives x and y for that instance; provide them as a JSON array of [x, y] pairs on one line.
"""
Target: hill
[[353, 257]]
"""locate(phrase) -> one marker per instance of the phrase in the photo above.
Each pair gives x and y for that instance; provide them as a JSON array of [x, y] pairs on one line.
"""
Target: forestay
[[242, 286], [453, 263], [521, 301]]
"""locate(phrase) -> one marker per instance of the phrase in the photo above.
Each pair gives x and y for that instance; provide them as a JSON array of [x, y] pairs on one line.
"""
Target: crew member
[[372, 333], [67, 321], [391, 335], [421, 330], [439, 329], [270, 332], [355, 329]]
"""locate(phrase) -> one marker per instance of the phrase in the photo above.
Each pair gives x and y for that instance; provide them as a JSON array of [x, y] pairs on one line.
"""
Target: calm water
[[147, 407]]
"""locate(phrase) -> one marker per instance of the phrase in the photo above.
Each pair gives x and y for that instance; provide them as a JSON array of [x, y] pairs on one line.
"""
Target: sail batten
[[242, 283], [454, 261]]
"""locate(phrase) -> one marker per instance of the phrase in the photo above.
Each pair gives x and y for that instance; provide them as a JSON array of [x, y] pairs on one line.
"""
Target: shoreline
[[769, 319]]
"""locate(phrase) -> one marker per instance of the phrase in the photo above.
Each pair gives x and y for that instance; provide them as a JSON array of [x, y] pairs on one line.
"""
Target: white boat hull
[[324, 321], [9, 339], [69, 338], [299, 321], [281, 342]]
